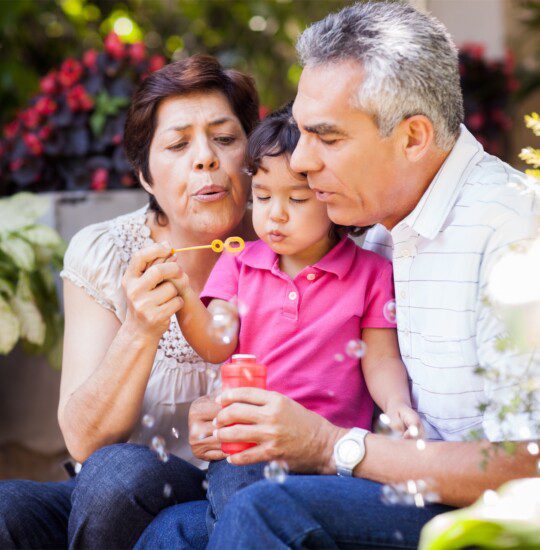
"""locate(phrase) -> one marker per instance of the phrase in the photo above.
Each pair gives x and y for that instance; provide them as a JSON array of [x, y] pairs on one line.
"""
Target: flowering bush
[[487, 90], [70, 135]]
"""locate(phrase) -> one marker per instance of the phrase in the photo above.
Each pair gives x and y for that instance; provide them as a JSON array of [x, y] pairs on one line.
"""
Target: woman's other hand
[[201, 415]]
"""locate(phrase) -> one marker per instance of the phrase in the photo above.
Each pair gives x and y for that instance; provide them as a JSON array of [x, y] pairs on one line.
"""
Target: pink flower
[[78, 99], [16, 164], [114, 46], [156, 62], [45, 106], [70, 72], [44, 133], [11, 129], [30, 117], [34, 145], [100, 179], [263, 111], [90, 59], [49, 84], [475, 121], [137, 52]]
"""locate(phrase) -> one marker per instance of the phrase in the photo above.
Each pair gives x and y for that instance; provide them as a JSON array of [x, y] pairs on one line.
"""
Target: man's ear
[[147, 187], [418, 137]]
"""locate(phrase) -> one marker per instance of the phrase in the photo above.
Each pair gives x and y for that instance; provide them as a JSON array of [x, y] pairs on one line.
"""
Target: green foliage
[[29, 251], [106, 105]]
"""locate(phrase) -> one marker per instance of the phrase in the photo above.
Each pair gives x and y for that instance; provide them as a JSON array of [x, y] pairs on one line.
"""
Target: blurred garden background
[[67, 71]]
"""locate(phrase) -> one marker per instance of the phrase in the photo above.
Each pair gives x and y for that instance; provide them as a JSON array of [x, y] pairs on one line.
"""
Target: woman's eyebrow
[[216, 122]]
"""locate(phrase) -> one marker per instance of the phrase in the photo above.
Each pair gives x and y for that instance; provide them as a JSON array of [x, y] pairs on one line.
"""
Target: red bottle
[[242, 372]]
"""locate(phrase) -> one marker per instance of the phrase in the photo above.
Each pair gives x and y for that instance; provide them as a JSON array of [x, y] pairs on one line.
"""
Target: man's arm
[[284, 430]]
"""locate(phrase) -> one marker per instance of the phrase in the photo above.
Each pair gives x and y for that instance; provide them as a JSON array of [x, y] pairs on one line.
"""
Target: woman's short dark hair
[[278, 135], [198, 73]]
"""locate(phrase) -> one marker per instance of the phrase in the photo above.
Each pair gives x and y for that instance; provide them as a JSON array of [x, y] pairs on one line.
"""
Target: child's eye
[[262, 199], [299, 200]]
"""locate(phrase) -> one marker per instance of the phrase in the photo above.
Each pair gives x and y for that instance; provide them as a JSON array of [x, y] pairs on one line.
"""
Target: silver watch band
[[349, 451]]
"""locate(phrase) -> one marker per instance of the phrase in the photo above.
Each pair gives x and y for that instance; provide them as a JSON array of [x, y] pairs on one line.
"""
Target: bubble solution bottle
[[242, 372]]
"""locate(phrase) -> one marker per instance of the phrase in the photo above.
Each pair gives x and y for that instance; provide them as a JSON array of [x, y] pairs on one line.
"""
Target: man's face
[[350, 166]]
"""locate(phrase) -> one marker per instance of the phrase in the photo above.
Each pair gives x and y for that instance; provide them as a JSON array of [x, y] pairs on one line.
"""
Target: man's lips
[[210, 193], [323, 195]]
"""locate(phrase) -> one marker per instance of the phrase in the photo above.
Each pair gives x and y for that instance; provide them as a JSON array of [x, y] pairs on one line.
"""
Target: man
[[379, 107]]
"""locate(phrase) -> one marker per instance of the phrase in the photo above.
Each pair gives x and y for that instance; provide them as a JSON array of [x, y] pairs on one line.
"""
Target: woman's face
[[196, 159]]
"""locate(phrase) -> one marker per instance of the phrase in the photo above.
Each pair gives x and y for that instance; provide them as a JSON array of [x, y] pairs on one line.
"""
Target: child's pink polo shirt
[[298, 327]]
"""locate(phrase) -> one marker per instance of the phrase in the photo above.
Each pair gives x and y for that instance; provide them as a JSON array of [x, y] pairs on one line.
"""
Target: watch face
[[349, 451]]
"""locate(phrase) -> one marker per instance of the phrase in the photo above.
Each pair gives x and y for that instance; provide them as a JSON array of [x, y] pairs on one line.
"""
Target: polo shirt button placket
[[310, 276]]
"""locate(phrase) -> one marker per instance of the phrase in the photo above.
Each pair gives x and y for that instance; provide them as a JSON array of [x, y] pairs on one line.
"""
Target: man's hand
[[201, 414], [282, 429]]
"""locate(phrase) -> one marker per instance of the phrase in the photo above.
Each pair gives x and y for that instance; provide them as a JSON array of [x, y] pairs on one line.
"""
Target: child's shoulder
[[366, 259]]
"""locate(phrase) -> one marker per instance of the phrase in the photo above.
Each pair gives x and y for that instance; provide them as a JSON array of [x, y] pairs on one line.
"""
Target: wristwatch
[[350, 451]]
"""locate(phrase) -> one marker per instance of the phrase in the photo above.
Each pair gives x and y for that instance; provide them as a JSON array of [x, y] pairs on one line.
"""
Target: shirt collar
[[337, 261], [436, 203]]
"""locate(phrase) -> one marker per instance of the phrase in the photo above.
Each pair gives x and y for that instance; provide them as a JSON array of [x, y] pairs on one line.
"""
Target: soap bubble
[[205, 484], [242, 308], [533, 448], [211, 373], [175, 433], [356, 348], [389, 311], [167, 490], [277, 471], [339, 357], [224, 324], [417, 493], [158, 446], [420, 444], [148, 421]]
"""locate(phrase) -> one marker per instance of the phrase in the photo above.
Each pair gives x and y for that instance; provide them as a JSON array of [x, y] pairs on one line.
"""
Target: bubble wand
[[217, 246]]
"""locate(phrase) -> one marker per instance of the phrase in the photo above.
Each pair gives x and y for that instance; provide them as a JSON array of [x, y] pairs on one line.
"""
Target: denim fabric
[[304, 512], [224, 480], [117, 493]]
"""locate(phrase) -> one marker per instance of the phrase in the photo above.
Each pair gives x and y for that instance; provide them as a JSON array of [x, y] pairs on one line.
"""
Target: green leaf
[[20, 252], [9, 328], [97, 123], [41, 235], [6, 288], [21, 210], [24, 305]]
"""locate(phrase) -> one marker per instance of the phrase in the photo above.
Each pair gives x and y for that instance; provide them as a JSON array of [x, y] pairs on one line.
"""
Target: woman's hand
[[203, 443], [282, 428], [151, 296]]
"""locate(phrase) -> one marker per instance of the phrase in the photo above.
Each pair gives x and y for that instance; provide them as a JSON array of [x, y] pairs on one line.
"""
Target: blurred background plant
[[29, 254]]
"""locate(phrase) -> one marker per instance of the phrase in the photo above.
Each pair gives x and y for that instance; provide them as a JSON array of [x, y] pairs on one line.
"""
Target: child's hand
[[406, 420]]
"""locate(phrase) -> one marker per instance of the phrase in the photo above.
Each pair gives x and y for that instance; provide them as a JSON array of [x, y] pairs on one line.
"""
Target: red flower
[[30, 117], [263, 111], [90, 59], [70, 72], [100, 179], [45, 106], [44, 133], [114, 46], [117, 139], [137, 52], [127, 180], [475, 121], [501, 118], [49, 84], [11, 129], [78, 99], [156, 62], [16, 164], [34, 145]]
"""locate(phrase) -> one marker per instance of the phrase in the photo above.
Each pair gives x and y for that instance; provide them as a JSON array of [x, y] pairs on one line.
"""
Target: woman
[[128, 374]]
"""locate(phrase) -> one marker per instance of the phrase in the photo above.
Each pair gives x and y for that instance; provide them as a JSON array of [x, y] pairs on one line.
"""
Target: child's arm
[[386, 377], [195, 321]]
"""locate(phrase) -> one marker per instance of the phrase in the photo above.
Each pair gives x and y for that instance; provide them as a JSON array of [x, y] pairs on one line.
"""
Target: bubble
[[211, 373], [77, 467], [533, 448], [148, 421], [413, 431], [330, 393], [205, 484], [277, 471], [398, 535], [389, 311], [158, 446], [383, 426], [420, 444], [412, 493], [224, 324], [242, 308], [356, 348], [175, 433], [339, 357], [167, 490]]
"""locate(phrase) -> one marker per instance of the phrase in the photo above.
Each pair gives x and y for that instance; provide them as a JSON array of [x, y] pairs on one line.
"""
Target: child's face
[[286, 214]]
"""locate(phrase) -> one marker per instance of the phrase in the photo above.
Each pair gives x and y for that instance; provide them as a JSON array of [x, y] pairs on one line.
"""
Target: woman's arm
[[106, 365], [386, 377]]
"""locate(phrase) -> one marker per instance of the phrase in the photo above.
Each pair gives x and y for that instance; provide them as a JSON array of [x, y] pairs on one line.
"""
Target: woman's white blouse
[[96, 260]]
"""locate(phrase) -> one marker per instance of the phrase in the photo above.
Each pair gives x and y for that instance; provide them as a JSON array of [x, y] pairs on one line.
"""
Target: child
[[309, 293]]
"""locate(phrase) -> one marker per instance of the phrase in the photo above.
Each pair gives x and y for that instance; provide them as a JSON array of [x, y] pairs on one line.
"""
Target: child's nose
[[278, 213]]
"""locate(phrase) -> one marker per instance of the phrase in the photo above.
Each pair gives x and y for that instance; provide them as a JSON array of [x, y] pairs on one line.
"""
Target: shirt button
[[292, 295], [310, 276], [406, 253], [403, 294]]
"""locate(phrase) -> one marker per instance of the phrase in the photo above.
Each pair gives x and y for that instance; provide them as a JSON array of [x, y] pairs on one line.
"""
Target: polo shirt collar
[[437, 202], [337, 261]]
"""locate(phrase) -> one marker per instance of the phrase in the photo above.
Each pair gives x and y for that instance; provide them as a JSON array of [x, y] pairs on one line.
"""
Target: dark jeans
[[304, 512], [225, 480], [118, 492]]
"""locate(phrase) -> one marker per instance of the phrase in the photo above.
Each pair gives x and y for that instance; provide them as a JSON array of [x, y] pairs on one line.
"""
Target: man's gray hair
[[409, 64]]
